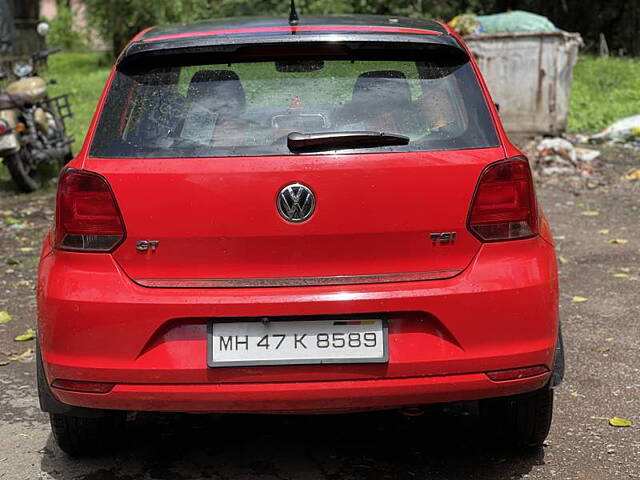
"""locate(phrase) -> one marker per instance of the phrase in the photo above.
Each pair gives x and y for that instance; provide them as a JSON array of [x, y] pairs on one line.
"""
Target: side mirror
[[3, 75], [497, 106], [43, 29]]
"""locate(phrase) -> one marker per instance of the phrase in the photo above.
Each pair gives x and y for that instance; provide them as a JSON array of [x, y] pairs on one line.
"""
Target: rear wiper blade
[[327, 141]]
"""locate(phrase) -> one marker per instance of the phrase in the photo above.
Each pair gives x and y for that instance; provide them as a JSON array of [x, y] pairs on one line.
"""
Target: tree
[[119, 20], [619, 20]]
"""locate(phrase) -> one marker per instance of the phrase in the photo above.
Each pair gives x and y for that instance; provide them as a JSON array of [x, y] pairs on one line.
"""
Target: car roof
[[242, 31]]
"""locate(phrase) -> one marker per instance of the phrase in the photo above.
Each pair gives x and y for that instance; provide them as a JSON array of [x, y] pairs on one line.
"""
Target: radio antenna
[[293, 15]]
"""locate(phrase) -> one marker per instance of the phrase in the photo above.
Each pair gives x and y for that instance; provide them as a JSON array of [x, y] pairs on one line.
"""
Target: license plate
[[297, 342]]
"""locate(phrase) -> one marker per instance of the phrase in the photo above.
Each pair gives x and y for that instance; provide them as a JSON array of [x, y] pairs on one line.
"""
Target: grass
[[82, 76], [604, 90]]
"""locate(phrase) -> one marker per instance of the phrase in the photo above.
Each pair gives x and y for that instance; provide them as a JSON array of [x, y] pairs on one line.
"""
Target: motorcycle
[[32, 124]]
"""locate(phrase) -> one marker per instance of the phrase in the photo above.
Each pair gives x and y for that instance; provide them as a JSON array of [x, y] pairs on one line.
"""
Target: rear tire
[[522, 420], [79, 437], [27, 179]]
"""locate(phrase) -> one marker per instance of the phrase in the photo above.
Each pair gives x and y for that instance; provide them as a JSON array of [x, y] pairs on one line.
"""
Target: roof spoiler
[[443, 49]]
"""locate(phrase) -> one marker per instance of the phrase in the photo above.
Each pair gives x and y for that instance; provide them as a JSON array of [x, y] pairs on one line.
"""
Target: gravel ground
[[602, 336]]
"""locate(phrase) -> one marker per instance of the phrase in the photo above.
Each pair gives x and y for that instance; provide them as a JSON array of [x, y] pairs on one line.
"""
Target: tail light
[[504, 205], [4, 128], [87, 215]]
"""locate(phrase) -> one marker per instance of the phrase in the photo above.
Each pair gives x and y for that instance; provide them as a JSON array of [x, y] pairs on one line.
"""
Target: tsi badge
[[146, 245], [443, 238]]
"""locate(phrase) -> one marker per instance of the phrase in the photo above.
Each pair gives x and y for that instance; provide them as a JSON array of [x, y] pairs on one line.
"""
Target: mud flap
[[558, 362]]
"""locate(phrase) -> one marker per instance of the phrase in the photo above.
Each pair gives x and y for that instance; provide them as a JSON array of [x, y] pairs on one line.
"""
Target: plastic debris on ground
[[558, 159], [558, 156], [625, 131]]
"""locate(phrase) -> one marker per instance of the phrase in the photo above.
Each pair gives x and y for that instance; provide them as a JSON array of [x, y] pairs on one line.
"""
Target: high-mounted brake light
[[504, 205], [87, 215]]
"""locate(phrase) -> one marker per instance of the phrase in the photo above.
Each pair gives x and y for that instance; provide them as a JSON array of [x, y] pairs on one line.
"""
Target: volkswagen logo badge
[[296, 202]]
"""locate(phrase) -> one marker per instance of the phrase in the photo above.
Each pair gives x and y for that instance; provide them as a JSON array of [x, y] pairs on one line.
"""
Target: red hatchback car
[[314, 218]]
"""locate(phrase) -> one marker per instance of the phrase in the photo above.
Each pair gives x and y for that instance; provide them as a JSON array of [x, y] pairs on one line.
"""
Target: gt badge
[[146, 245]]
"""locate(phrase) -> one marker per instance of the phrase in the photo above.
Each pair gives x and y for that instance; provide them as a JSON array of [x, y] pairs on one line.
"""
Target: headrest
[[222, 85], [382, 86]]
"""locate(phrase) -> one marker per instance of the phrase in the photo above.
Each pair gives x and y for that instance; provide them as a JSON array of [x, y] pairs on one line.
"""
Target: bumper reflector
[[80, 386], [517, 373]]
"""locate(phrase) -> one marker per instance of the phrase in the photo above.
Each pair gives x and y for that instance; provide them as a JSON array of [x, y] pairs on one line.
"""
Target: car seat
[[381, 101]]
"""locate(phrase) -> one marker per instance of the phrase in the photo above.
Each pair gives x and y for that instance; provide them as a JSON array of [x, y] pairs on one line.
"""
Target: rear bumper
[[317, 397], [95, 324]]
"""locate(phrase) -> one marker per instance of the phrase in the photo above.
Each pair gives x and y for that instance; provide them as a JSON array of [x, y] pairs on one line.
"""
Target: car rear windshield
[[249, 107]]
